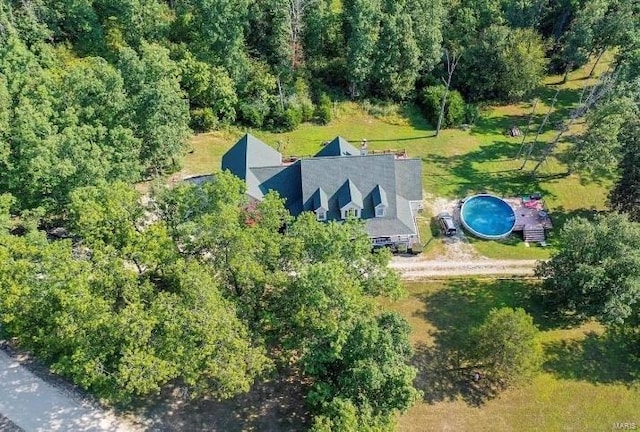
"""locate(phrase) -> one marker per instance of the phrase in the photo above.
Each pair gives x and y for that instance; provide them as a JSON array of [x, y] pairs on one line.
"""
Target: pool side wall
[[486, 236]]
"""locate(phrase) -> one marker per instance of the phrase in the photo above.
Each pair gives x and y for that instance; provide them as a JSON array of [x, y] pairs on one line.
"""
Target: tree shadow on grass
[[567, 99], [415, 117], [442, 380], [499, 175], [560, 215], [454, 311], [274, 405], [607, 358]]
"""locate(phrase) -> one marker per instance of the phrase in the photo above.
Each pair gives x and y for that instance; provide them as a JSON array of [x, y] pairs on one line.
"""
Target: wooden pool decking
[[532, 219]]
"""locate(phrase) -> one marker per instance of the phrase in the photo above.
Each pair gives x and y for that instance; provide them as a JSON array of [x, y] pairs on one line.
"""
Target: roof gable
[[320, 200], [249, 152], [338, 179], [338, 147], [349, 195], [379, 197]]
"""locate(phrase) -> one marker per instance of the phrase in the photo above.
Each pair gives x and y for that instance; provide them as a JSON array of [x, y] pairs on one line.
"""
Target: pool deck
[[532, 217]]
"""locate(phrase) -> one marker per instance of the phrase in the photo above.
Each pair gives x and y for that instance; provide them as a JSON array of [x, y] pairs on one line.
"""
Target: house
[[340, 181]]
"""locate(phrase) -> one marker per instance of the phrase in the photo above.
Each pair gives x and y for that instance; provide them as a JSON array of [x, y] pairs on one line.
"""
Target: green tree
[[214, 31], [506, 347], [580, 40], [209, 87], [625, 196], [431, 100], [117, 331], [324, 40], [108, 214], [67, 126], [428, 21], [361, 32], [342, 415], [524, 13], [596, 273], [135, 21], [502, 64], [5, 113], [371, 376], [75, 21], [160, 111], [397, 56], [600, 25], [215, 224], [257, 93], [599, 150], [268, 33]]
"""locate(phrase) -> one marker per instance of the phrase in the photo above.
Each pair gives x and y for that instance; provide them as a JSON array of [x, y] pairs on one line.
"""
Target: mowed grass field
[[458, 162], [589, 380]]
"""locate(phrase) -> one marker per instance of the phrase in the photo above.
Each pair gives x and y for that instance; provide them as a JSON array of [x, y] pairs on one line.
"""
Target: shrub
[[203, 120], [379, 109], [471, 113], [307, 111], [323, 110], [252, 115], [284, 120], [454, 109], [430, 100], [302, 99]]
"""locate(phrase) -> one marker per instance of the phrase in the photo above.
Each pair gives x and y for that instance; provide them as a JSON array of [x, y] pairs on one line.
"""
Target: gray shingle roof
[[349, 194], [340, 176], [250, 152], [379, 197], [409, 178], [338, 147], [320, 200]]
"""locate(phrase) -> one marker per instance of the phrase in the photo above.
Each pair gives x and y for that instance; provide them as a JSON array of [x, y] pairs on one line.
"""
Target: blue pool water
[[487, 216]]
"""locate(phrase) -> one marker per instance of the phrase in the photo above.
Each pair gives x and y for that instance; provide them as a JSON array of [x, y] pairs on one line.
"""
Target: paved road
[[30, 403]]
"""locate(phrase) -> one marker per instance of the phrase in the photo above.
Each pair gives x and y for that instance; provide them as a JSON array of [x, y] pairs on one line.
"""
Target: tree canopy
[[204, 289], [625, 196], [506, 347], [596, 273]]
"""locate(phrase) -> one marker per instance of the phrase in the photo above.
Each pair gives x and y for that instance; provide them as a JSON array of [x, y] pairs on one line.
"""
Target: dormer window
[[320, 205], [380, 202], [350, 200], [351, 213]]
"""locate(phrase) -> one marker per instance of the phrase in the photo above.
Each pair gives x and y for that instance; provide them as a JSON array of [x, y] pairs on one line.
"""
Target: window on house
[[321, 215], [352, 213], [379, 211]]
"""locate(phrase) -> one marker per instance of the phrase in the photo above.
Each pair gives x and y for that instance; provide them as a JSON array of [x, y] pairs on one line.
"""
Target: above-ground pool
[[487, 216]]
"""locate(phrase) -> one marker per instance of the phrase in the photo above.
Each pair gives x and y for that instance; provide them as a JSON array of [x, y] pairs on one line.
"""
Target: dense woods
[[110, 90], [211, 295], [200, 288]]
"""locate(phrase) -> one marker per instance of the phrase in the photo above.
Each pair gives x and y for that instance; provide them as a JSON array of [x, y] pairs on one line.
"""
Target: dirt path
[[412, 268], [29, 403]]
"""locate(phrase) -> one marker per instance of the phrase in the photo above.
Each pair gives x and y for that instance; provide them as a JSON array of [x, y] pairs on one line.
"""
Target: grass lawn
[[456, 163], [588, 383]]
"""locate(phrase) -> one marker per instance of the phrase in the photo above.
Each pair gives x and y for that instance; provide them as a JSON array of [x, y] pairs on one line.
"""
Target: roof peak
[[337, 147]]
